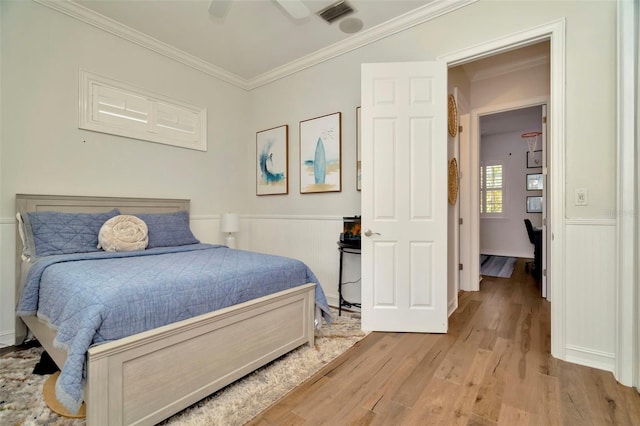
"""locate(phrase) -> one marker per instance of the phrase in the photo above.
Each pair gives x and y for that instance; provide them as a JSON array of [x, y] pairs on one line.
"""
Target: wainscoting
[[588, 286], [590, 293], [7, 280], [312, 239]]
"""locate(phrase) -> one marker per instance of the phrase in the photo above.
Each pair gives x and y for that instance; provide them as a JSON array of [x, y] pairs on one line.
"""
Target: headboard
[[81, 204]]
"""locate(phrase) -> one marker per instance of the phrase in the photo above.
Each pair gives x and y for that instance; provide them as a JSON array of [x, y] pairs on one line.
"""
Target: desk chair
[[535, 239]]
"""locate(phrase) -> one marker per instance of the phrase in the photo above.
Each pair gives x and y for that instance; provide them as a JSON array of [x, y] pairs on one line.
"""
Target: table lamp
[[230, 223]]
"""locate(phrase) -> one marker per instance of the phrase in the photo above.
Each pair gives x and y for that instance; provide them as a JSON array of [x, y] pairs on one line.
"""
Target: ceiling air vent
[[335, 11]]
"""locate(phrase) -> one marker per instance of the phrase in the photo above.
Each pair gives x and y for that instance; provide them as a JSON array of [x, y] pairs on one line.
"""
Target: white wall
[[506, 235], [43, 151], [589, 127]]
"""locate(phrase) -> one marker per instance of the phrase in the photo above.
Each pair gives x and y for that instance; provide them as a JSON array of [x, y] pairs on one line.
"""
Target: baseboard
[[452, 305], [590, 358], [7, 338], [332, 301]]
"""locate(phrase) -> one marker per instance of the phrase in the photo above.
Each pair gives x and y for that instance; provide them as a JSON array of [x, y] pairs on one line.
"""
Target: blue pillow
[[48, 233], [168, 229]]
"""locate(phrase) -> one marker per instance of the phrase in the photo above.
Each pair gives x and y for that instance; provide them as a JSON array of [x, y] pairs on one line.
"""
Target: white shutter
[[177, 123], [119, 108], [112, 107]]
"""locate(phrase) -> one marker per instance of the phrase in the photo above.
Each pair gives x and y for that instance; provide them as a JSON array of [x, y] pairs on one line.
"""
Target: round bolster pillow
[[123, 233]]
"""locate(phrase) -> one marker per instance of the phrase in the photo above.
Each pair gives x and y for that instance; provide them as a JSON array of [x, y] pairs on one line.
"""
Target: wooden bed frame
[[147, 377]]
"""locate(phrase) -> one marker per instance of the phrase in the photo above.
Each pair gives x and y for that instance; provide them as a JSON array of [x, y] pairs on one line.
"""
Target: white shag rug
[[21, 400]]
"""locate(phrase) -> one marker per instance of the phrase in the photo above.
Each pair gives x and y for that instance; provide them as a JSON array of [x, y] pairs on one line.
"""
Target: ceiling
[[253, 37], [257, 41], [517, 120]]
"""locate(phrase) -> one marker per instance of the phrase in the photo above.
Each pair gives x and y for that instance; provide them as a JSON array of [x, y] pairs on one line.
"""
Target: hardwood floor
[[493, 367]]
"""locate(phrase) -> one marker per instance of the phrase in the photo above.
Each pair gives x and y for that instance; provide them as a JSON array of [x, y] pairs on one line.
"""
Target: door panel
[[404, 198]]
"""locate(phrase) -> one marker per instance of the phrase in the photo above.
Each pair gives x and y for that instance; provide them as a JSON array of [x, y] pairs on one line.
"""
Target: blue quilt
[[92, 298]]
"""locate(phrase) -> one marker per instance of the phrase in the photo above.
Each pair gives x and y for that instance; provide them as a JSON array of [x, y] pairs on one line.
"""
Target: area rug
[[497, 266], [21, 400]]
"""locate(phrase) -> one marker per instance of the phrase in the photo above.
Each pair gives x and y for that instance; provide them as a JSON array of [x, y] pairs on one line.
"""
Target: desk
[[350, 249]]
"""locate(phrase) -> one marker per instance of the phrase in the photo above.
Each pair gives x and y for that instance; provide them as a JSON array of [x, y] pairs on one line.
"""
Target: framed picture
[[358, 152], [534, 204], [320, 154], [272, 162], [534, 159], [534, 182]]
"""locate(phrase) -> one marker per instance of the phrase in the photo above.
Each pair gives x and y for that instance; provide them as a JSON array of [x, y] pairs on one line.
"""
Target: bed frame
[[147, 377]]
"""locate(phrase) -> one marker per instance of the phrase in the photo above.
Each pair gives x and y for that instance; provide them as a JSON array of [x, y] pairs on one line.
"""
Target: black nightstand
[[349, 248]]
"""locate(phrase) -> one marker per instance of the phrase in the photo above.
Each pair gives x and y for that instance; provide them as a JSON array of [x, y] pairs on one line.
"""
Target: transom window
[[113, 107]]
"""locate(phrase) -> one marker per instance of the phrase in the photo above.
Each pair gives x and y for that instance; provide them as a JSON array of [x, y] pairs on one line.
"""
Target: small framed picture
[[534, 159], [534, 204], [534, 182]]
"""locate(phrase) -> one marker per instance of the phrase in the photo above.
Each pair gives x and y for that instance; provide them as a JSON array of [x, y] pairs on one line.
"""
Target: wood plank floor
[[493, 368]]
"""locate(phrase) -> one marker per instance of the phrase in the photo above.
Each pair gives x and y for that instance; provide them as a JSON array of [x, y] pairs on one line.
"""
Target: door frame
[[627, 367], [474, 172], [554, 32]]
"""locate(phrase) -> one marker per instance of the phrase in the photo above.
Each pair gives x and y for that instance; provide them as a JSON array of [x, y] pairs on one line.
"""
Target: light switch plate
[[581, 197]]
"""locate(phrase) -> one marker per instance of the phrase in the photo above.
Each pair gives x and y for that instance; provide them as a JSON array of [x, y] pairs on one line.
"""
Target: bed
[[147, 376]]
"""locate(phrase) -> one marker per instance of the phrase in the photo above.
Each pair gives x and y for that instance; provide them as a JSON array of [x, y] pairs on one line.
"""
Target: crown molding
[[430, 11], [88, 16], [403, 22]]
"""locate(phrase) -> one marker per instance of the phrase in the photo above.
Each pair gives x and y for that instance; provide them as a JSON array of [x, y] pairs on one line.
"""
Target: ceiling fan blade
[[295, 8], [219, 8]]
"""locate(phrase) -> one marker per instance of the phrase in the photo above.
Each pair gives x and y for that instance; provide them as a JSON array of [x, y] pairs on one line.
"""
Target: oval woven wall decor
[[453, 117], [453, 181]]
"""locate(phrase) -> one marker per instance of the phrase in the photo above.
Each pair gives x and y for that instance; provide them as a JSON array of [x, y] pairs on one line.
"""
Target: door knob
[[368, 233]]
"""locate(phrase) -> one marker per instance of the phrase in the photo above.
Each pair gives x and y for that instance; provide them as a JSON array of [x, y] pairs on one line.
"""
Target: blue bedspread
[[92, 298]]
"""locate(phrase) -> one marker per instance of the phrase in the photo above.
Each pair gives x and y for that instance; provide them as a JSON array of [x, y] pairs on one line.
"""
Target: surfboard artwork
[[319, 163], [271, 161], [320, 154]]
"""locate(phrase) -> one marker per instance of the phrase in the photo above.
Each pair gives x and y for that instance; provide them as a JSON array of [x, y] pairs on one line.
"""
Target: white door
[[404, 197]]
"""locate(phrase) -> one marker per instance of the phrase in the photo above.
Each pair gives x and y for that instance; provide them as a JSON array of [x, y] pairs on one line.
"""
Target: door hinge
[[460, 221], [459, 129], [544, 120], [544, 221], [460, 267], [544, 272]]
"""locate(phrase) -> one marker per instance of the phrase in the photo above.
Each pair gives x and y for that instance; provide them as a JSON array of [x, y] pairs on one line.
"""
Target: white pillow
[[123, 233]]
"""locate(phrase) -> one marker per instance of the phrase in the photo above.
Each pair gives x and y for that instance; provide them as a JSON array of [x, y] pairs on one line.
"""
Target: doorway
[[553, 33], [512, 191], [501, 95]]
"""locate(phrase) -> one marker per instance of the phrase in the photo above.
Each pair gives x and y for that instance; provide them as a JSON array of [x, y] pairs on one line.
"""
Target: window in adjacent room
[[491, 188], [113, 107]]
